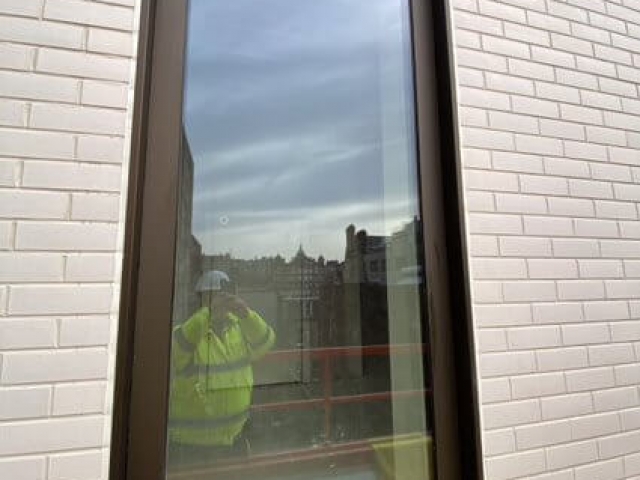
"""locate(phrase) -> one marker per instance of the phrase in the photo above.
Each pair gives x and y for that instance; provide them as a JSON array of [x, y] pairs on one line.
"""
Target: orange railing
[[345, 455]]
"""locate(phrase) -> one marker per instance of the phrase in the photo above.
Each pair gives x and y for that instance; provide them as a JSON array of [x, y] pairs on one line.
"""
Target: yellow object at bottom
[[405, 457]]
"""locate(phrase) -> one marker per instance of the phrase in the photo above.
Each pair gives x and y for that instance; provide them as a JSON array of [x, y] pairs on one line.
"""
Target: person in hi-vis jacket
[[212, 375]]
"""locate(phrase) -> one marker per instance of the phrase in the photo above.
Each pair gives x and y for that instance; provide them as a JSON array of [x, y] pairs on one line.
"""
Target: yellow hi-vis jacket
[[213, 378]]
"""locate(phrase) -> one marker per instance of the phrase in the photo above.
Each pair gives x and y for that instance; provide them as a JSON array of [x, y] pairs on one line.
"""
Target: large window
[[291, 312]]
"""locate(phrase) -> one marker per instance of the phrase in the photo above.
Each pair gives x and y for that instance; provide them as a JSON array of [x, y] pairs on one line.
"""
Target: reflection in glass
[[299, 338]]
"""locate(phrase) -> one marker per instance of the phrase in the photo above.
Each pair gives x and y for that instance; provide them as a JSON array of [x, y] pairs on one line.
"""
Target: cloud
[[288, 119]]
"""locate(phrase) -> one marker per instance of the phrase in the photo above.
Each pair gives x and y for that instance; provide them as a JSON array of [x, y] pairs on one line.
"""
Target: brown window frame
[[140, 408]]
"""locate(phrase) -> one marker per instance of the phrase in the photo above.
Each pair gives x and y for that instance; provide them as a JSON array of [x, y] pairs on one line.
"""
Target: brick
[[570, 207], [609, 469], [516, 465], [501, 11], [619, 445], [590, 189], [513, 123], [587, 32], [79, 398], [575, 248], [17, 204], [616, 210], [487, 180], [595, 425], [627, 374], [565, 43], [566, 406], [538, 385], [482, 138], [110, 42], [627, 192], [616, 173], [68, 236], [468, 39], [629, 229], [600, 100], [85, 65], [560, 129], [625, 331], [542, 434], [90, 268], [26, 267], [12, 113], [22, 333], [571, 454], [581, 290], [481, 60], [503, 268], [606, 136], [538, 145], [566, 11], [47, 435], [600, 268], [494, 223], [17, 57], [517, 203], [493, 340], [552, 269], [480, 201], [59, 299], [596, 228], [552, 57], [498, 442], [548, 22], [617, 87], [23, 468], [501, 364], [527, 69], [26, 8], [622, 288], [527, 338], [86, 465], [84, 331], [548, 226], [34, 86], [54, 366], [85, 13], [567, 168], [77, 119], [19, 403], [612, 354], [527, 34], [525, 247], [476, 158], [517, 162], [23, 143], [620, 249], [509, 414], [590, 378], [93, 148], [71, 176], [535, 106], [587, 334], [505, 47], [483, 246], [606, 310], [543, 184], [615, 399], [557, 312], [468, 21], [95, 207], [38, 32]]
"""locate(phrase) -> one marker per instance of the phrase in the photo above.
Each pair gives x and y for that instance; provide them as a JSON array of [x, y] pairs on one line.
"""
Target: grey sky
[[288, 122]]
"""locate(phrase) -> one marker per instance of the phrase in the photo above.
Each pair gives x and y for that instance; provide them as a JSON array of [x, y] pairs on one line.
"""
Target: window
[[290, 317]]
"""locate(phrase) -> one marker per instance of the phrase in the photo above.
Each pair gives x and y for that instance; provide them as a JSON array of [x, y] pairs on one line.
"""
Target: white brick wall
[[549, 103], [65, 80]]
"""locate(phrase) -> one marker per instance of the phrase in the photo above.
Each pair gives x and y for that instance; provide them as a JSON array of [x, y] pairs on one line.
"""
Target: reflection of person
[[212, 373]]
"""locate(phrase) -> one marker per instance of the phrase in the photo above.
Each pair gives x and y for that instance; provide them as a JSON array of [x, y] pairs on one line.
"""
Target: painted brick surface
[[65, 81], [549, 106]]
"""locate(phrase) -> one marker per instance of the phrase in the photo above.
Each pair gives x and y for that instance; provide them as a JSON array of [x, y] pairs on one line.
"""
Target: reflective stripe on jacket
[[213, 378]]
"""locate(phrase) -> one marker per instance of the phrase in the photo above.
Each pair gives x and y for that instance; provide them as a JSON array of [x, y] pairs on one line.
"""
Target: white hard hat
[[212, 280]]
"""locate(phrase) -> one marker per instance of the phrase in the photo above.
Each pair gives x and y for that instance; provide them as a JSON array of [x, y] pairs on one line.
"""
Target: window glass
[[300, 339]]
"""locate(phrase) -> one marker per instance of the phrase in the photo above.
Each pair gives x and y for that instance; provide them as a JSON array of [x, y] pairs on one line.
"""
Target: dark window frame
[[142, 363]]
